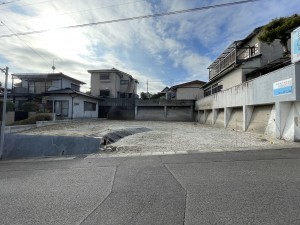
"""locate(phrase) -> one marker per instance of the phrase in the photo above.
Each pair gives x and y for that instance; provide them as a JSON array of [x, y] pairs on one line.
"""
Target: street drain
[[116, 135]]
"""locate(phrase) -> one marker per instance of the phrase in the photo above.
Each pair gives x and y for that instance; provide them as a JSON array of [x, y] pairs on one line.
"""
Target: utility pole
[[147, 91], [3, 112]]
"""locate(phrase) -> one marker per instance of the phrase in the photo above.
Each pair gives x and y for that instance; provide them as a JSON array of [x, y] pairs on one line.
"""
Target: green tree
[[9, 106], [280, 28], [145, 95], [30, 107]]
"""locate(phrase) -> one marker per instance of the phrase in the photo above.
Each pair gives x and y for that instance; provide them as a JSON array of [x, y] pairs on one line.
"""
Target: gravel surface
[[165, 136]]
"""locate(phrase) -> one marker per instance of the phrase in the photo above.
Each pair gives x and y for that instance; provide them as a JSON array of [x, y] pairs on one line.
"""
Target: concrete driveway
[[251, 187]]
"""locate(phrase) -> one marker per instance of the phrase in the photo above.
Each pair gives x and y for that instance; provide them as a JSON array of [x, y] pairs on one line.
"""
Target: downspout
[[72, 109]]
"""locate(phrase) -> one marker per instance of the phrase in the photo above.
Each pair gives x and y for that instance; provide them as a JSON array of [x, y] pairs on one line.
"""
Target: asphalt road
[[250, 187]]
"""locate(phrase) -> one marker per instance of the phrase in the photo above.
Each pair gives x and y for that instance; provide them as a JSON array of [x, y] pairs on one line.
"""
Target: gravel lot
[[165, 137]]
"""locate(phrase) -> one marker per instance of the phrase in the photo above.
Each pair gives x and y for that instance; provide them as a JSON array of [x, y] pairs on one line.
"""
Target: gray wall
[[169, 113]]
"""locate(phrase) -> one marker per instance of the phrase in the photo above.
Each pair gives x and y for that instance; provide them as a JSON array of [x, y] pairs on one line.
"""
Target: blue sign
[[283, 87]]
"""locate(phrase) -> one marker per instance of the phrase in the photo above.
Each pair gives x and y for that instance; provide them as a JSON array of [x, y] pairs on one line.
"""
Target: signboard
[[283, 87], [295, 45]]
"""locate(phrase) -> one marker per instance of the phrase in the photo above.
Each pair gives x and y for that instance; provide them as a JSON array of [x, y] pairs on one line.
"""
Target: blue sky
[[164, 50]]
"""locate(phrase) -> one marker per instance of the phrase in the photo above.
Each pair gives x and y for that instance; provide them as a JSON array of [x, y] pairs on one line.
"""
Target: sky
[[164, 51]]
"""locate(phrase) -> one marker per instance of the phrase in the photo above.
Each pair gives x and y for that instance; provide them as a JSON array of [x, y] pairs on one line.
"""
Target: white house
[[55, 92]]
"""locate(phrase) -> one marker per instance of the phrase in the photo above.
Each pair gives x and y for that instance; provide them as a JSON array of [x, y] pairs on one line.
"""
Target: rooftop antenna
[[53, 67]]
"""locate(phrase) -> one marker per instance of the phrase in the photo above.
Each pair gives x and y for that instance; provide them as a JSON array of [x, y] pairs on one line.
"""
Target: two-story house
[[235, 64], [185, 91], [55, 92], [253, 87], [113, 83]]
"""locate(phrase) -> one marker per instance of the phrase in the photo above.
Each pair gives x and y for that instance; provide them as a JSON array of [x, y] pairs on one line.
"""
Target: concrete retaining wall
[[256, 106], [162, 113], [22, 146], [255, 92]]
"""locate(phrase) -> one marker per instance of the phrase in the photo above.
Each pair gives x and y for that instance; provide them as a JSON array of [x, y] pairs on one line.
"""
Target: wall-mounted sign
[[283, 87], [295, 45]]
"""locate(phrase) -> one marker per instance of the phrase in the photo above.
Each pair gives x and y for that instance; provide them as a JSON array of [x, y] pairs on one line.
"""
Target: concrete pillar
[[282, 112], [166, 111], [135, 111], [214, 115], [227, 115], [247, 114], [205, 115]]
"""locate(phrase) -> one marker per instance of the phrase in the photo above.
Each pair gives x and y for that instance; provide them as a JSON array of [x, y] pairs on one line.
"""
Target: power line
[[133, 18], [13, 34], [25, 4], [5, 3], [84, 10]]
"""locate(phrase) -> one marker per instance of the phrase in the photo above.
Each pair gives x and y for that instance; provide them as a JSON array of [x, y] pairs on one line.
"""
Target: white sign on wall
[[283, 87], [295, 46]]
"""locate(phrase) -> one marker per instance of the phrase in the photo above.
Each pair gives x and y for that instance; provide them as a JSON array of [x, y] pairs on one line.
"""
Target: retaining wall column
[[227, 115], [135, 111], [214, 115], [282, 113], [166, 111], [247, 114]]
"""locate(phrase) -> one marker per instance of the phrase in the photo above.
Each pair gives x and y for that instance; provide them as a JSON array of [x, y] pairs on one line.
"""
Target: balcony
[[232, 56]]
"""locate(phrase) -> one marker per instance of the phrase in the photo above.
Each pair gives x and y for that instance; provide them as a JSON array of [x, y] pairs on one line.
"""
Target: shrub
[[33, 119], [9, 106], [30, 107]]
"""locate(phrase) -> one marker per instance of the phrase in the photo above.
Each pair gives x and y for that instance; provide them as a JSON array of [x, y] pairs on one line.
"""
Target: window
[[122, 95], [49, 106], [104, 93], [124, 81], [31, 88], [217, 87], [75, 87], [104, 76], [207, 92], [61, 108], [89, 106], [254, 49]]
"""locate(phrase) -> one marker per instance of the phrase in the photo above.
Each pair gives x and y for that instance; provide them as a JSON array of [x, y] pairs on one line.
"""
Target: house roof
[[235, 44], [69, 91], [196, 82], [165, 90], [43, 76], [119, 72]]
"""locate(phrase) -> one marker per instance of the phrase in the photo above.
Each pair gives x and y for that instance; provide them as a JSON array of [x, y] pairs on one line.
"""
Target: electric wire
[[26, 43], [5, 3], [131, 18], [84, 10]]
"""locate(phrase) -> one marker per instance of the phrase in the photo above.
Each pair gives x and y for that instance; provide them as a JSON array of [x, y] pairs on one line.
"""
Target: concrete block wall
[[164, 113]]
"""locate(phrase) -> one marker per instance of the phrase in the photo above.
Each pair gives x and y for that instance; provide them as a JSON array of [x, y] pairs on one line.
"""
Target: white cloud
[[146, 48]]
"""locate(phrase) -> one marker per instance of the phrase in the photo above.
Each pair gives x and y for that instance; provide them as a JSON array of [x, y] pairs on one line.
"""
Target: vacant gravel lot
[[165, 136]]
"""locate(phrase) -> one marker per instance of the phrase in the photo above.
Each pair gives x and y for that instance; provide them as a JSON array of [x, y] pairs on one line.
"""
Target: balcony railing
[[235, 56]]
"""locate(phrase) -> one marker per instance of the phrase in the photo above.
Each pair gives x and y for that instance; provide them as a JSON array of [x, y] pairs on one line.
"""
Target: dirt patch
[[164, 136]]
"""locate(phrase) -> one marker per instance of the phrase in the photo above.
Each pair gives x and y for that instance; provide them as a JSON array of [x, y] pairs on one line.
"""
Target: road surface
[[250, 187]]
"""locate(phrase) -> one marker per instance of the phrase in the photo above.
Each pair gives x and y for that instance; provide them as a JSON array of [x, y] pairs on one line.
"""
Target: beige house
[[186, 91], [235, 64], [112, 83]]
